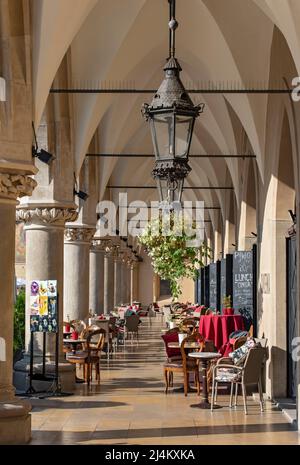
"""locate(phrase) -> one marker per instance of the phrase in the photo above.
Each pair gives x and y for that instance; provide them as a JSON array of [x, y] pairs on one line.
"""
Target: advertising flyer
[[43, 306]]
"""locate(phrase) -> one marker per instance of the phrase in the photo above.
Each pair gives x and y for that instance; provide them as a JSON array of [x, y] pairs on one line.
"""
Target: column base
[[15, 422], [21, 379]]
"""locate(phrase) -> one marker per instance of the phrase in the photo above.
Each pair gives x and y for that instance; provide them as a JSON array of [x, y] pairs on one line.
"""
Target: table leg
[[77, 380], [204, 404]]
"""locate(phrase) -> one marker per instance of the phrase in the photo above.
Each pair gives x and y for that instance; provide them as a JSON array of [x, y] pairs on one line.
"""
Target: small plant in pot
[[182, 333], [171, 321], [227, 306]]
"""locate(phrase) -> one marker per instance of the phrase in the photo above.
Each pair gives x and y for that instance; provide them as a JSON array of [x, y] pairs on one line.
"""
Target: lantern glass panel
[[162, 127], [183, 135]]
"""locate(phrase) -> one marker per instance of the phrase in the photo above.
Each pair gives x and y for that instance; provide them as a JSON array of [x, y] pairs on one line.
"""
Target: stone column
[[134, 281], [132, 298], [124, 282], [108, 281], [217, 246], [128, 289], [15, 420], [97, 252], [44, 229], [77, 272], [117, 281]]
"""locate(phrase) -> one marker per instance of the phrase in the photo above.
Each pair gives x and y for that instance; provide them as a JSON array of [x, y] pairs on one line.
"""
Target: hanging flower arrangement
[[171, 243]]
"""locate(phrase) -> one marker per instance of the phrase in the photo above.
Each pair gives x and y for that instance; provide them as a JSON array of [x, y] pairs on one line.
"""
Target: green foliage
[[19, 322], [173, 255]]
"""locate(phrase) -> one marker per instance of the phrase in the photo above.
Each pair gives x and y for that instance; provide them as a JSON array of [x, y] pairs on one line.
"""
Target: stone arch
[[248, 218], [229, 224], [280, 198]]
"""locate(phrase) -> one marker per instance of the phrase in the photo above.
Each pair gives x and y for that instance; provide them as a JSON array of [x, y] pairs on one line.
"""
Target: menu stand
[[55, 388]]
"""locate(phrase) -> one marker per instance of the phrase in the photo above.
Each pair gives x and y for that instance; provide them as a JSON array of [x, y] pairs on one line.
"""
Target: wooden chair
[[165, 337], [189, 324], [104, 324], [203, 311], [90, 356], [67, 347], [209, 312], [94, 350], [184, 366]]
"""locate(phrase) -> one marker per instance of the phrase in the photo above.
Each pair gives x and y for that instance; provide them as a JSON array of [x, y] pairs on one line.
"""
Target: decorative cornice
[[46, 215], [79, 234], [13, 186]]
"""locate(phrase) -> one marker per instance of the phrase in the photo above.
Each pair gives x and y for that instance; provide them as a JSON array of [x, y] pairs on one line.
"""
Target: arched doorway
[[285, 217]]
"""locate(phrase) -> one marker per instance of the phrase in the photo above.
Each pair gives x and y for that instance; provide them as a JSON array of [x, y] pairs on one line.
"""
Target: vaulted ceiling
[[116, 42]]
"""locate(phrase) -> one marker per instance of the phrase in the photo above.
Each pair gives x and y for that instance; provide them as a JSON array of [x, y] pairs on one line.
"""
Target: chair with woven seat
[[249, 373], [184, 366]]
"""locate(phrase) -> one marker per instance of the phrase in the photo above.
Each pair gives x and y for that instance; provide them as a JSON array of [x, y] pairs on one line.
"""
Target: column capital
[[42, 216], [99, 245], [79, 235], [134, 264], [13, 186]]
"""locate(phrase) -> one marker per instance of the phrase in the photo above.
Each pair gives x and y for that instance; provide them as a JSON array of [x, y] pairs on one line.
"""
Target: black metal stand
[[55, 388]]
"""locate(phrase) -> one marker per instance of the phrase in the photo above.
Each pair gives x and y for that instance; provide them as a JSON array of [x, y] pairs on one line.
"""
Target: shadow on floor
[[140, 433], [57, 404]]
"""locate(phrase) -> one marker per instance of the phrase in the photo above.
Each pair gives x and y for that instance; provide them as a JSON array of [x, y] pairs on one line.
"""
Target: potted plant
[[176, 254], [171, 321], [182, 333], [227, 306]]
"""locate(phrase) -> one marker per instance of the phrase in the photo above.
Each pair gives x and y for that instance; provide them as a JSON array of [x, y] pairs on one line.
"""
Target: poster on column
[[43, 306]]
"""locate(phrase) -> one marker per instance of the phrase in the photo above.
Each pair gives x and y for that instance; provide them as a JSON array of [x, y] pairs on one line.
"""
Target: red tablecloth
[[217, 328]]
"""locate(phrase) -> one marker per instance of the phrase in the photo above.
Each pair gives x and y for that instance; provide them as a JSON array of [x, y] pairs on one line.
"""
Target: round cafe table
[[204, 358], [74, 343], [217, 328]]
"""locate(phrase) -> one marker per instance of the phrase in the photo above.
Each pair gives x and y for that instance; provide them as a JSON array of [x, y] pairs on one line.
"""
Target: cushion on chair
[[191, 364], [226, 375], [78, 356], [174, 358], [172, 337], [239, 355]]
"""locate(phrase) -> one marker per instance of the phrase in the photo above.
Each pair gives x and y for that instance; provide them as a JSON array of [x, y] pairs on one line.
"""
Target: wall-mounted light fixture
[[293, 216], [81, 194], [42, 155]]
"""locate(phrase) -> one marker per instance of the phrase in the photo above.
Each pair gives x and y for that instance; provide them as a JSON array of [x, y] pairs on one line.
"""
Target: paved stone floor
[[130, 407]]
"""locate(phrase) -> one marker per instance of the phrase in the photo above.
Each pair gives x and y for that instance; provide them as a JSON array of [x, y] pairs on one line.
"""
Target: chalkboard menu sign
[[206, 286], [225, 278], [243, 283], [201, 287]]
